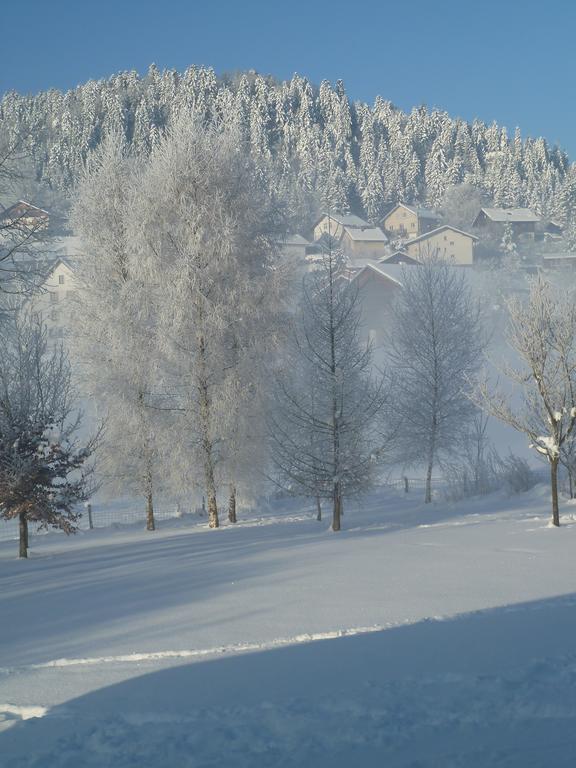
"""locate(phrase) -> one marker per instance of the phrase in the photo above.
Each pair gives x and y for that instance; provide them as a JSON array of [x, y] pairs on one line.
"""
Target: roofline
[[378, 271], [426, 235]]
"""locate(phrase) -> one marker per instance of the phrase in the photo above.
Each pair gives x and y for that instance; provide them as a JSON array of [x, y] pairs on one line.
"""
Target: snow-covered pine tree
[[44, 471]]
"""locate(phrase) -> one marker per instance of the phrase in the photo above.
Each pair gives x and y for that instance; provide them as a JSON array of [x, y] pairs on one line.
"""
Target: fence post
[[90, 523], [406, 488]]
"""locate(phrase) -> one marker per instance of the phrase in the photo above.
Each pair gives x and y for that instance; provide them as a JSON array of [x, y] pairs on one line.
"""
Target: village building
[[446, 242], [366, 242], [409, 221], [377, 290], [559, 260], [521, 220], [53, 300], [24, 215], [399, 257], [332, 224], [296, 246]]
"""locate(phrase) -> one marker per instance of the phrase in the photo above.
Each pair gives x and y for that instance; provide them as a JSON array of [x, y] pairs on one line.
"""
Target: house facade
[[409, 221], [365, 243], [377, 291], [448, 243], [53, 301]]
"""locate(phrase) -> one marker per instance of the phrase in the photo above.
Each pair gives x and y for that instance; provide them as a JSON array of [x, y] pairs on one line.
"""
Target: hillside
[[342, 155]]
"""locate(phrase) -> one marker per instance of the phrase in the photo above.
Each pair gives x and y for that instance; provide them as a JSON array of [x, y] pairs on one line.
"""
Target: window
[[54, 316], [53, 298], [451, 242], [60, 279]]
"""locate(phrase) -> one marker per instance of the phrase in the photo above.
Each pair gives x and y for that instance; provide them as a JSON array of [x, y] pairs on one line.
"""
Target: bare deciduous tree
[[324, 419], [542, 334], [435, 345]]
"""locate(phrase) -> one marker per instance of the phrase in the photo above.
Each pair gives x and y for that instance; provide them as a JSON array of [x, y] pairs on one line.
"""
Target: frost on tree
[[44, 470]]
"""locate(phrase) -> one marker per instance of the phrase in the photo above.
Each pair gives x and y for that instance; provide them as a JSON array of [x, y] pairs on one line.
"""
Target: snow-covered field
[[439, 635]]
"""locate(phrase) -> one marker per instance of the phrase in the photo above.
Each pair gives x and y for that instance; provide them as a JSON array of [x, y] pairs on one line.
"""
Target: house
[[409, 221], [399, 257], [559, 260], [445, 242], [332, 224], [522, 220], [53, 299], [295, 245], [377, 290], [24, 215], [365, 242]]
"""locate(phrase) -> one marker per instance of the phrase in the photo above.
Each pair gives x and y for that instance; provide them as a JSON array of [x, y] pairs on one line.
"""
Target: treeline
[[338, 155]]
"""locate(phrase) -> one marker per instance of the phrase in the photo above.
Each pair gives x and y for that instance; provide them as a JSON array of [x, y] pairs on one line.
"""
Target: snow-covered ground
[[439, 635]]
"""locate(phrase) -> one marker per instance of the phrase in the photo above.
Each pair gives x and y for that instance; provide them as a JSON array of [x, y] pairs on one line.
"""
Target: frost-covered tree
[[542, 334], [44, 470], [435, 345], [113, 329], [207, 239], [324, 423]]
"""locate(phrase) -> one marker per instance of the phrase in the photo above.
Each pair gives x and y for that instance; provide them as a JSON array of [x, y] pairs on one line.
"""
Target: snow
[[422, 635]]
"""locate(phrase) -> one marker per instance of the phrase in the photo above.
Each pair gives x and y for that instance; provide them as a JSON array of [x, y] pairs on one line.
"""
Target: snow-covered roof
[[378, 270], [437, 231], [295, 239], [345, 219], [398, 257], [510, 214], [366, 234], [565, 256], [23, 209], [422, 213]]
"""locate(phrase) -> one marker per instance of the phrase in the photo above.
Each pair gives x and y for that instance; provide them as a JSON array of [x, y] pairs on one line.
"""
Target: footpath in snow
[[437, 635]]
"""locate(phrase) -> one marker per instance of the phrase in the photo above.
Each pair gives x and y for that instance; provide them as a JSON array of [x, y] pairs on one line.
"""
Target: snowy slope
[[426, 636]]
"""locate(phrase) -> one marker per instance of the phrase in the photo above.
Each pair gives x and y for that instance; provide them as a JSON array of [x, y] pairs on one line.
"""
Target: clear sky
[[512, 61]]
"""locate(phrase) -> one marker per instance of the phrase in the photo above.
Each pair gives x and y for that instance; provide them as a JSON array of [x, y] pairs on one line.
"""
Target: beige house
[[446, 242], [409, 221], [332, 224], [367, 242], [53, 300]]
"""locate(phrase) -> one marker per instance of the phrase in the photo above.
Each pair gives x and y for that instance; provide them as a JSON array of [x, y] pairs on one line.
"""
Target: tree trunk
[[428, 495], [207, 447], [232, 504], [337, 500], [554, 485], [571, 484], [318, 509], [150, 523], [23, 535]]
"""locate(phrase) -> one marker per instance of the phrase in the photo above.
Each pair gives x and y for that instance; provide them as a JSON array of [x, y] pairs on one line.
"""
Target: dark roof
[[22, 209]]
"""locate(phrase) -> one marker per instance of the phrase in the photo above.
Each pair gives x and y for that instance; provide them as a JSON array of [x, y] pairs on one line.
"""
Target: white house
[[53, 299]]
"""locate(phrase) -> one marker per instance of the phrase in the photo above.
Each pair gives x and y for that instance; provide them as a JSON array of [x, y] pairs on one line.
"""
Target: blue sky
[[512, 61]]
